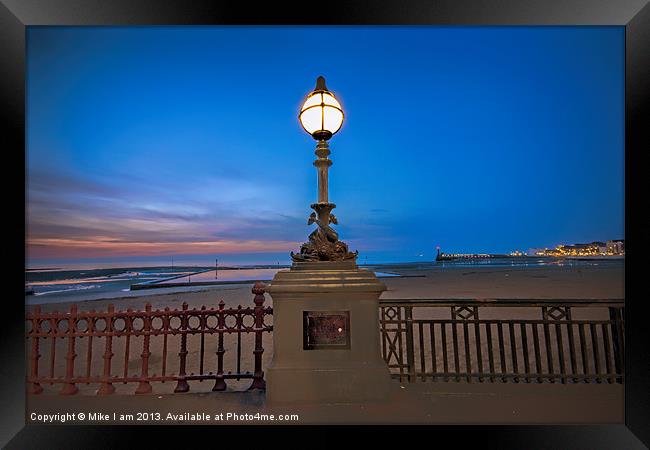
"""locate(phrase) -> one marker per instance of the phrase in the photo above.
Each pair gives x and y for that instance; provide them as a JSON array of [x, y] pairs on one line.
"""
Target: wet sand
[[476, 282]]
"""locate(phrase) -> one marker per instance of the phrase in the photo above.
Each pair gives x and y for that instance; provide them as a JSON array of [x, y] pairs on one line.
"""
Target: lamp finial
[[320, 84]]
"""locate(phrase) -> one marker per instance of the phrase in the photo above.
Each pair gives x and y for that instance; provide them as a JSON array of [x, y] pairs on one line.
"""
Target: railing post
[[382, 330], [220, 382], [410, 359], [181, 385], [34, 387], [547, 343], [202, 325], [107, 387], [477, 336], [239, 326], [572, 350], [617, 341], [144, 387], [69, 387], [258, 376], [90, 330]]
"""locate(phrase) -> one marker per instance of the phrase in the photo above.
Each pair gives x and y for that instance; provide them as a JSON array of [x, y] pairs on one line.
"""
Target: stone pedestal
[[326, 335]]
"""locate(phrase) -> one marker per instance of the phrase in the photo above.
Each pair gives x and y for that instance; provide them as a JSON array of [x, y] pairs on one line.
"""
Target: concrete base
[[327, 375], [335, 385]]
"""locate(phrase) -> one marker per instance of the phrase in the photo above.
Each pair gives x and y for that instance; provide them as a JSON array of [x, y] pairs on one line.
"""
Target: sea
[[83, 282]]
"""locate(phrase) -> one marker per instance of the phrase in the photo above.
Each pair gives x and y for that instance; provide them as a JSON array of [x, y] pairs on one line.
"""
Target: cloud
[[76, 216]]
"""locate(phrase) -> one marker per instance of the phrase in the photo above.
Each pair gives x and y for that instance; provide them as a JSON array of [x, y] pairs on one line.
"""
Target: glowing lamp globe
[[321, 114]]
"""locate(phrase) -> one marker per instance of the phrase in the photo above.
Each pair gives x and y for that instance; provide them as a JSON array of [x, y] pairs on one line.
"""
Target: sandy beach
[[605, 282]]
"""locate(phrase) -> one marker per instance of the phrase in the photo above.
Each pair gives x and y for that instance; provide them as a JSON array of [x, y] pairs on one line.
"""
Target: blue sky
[[147, 142]]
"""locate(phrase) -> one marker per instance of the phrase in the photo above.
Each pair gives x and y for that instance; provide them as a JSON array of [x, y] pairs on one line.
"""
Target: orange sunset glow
[[108, 247]]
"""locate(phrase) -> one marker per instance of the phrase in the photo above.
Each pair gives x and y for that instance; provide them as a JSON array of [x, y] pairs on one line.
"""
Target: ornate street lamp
[[321, 116], [337, 301]]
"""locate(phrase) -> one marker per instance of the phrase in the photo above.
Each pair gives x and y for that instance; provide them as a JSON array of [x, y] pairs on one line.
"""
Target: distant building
[[616, 247]]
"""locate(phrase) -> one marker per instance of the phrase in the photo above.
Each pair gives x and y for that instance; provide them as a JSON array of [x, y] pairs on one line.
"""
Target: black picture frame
[[634, 15]]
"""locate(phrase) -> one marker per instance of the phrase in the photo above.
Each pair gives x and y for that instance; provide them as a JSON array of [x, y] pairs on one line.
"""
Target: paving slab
[[410, 403]]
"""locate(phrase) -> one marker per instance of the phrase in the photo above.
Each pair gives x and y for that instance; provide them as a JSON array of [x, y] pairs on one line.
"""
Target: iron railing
[[536, 341], [494, 340], [87, 333]]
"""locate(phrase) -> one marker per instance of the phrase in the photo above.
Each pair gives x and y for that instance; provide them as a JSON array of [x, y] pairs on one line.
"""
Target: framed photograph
[[342, 214]]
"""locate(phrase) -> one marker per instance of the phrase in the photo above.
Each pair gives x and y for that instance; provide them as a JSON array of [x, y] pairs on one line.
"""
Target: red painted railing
[[85, 332]]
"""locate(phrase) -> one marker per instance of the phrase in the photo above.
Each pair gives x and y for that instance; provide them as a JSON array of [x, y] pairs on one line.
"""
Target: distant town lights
[[611, 248]]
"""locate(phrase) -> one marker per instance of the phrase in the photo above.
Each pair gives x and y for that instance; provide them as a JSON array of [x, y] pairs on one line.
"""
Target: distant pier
[[456, 256]]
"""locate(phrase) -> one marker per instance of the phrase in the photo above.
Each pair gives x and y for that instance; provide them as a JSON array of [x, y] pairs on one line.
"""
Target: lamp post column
[[322, 164], [323, 208]]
